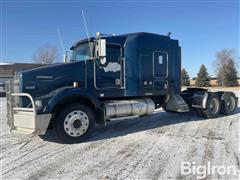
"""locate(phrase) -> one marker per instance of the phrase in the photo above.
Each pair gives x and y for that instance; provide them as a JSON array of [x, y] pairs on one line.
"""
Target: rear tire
[[75, 123], [212, 107], [229, 103]]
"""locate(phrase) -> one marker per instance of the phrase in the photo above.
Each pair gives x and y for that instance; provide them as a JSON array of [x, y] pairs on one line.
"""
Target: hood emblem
[[44, 77]]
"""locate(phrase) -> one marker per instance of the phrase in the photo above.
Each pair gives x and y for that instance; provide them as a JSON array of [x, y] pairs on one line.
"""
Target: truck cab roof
[[114, 38]]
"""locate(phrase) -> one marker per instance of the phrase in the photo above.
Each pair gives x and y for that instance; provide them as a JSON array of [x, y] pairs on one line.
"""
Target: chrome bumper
[[22, 119]]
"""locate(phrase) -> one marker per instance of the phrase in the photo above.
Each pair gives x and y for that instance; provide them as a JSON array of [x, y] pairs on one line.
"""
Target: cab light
[[76, 84]]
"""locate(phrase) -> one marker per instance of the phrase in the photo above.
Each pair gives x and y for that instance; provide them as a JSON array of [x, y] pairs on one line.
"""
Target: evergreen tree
[[203, 78], [185, 78], [231, 74]]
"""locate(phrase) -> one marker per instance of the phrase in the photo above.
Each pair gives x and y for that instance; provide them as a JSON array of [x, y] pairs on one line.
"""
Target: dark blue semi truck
[[106, 78]]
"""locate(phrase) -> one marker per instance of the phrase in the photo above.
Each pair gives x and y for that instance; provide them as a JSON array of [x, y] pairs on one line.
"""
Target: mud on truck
[[107, 77]]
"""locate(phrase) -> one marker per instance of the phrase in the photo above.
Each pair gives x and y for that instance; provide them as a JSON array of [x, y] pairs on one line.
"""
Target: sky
[[202, 27]]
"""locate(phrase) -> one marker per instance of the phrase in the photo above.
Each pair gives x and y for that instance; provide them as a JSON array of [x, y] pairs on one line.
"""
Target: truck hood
[[43, 80]]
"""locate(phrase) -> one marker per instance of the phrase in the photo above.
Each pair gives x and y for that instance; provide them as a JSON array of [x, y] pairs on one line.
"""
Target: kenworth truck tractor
[[108, 77]]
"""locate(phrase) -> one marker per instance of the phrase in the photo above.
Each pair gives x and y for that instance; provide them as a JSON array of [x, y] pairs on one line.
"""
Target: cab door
[[160, 70], [108, 71], [160, 64]]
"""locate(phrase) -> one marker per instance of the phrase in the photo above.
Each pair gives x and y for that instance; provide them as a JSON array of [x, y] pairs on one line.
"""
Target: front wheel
[[74, 123]]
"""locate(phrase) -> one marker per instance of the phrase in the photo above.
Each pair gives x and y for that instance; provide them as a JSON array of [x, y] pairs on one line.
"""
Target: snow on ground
[[151, 147]]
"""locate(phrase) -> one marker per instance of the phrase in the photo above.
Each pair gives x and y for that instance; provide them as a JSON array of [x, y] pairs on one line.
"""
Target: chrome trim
[[30, 87], [23, 109], [33, 109], [196, 106], [86, 74], [124, 74], [204, 102], [123, 108], [45, 77], [24, 119]]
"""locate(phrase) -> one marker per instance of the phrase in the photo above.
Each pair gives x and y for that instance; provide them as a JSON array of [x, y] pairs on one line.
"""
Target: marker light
[[76, 84]]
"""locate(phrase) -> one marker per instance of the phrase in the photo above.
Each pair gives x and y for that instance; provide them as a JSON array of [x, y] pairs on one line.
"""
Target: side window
[[82, 52], [113, 54], [80, 57]]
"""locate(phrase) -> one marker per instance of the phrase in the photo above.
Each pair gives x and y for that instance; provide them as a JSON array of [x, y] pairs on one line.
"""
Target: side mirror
[[101, 48]]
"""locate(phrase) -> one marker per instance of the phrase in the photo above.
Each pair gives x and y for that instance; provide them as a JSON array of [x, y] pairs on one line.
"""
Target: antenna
[[169, 34], [85, 24], [63, 48]]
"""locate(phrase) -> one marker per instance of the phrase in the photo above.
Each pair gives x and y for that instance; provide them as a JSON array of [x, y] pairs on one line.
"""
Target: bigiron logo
[[202, 171]]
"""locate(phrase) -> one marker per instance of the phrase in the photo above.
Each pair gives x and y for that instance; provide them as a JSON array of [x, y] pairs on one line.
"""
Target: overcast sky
[[202, 28]]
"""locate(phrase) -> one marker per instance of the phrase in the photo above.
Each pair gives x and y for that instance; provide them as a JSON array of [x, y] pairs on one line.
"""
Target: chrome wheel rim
[[214, 105], [76, 123], [231, 103]]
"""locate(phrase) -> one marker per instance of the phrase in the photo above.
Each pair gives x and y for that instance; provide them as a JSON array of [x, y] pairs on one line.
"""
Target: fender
[[224, 94], [65, 94]]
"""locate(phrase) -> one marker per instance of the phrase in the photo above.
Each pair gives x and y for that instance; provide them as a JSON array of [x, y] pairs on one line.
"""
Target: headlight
[[38, 104]]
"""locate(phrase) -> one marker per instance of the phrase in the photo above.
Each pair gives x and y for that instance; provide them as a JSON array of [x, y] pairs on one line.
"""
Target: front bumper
[[25, 119]]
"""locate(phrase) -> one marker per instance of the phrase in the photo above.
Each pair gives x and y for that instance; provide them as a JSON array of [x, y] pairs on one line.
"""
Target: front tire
[[75, 123]]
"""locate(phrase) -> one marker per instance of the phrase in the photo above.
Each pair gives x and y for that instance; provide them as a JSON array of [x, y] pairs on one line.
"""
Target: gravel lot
[[151, 147]]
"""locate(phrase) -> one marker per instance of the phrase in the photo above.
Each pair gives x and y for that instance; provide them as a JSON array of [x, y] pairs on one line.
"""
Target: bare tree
[[224, 58], [46, 54]]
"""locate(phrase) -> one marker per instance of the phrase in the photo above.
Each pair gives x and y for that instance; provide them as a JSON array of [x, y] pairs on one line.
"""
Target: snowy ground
[[150, 147]]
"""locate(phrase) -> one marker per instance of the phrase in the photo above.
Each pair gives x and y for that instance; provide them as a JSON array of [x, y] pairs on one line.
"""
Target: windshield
[[82, 52]]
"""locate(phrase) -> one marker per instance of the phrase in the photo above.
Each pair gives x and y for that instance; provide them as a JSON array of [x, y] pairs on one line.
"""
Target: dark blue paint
[[137, 52]]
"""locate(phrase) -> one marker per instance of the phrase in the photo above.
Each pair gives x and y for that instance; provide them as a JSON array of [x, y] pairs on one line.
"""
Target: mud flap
[[175, 103]]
